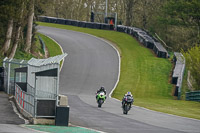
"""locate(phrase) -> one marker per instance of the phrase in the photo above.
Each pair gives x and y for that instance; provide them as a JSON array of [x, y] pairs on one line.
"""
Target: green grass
[[53, 48], [177, 107], [38, 47], [145, 75]]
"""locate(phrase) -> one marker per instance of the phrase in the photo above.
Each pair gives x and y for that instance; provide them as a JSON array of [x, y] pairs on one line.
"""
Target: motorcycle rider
[[102, 89], [125, 96]]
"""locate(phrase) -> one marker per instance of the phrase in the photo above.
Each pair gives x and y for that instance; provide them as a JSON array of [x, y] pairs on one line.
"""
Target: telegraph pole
[[106, 8]]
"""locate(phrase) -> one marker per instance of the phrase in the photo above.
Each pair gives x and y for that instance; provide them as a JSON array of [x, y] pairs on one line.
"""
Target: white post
[[35, 99], [57, 85], [8, 85], [115, 21], [20, 75], [4, 65], [106, 8]]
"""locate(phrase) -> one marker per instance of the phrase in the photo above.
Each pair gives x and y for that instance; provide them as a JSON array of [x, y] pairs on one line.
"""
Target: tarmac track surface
[[9, 120], [92, 63]]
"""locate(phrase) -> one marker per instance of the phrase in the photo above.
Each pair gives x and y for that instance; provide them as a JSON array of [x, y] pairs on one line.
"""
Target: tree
[[192, 57], [129, 4], [183, 13], [20, 11], [29, 27], [7, 13], [7, 42]]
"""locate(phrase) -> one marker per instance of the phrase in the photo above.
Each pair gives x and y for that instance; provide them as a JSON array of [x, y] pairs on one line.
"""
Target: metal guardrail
[[193, 96], [178, 73], [42, 43]]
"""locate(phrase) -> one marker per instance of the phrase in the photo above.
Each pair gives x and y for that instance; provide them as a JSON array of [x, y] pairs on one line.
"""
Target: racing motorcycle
[[126, 106], [100, 97]]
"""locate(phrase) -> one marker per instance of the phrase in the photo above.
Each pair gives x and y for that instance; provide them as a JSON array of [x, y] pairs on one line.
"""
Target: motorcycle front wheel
[[125, 109], [100, 102]]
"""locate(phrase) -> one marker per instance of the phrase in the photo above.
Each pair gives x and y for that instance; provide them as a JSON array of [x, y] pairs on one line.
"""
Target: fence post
[[8, 81], [20, 75], [57, 85], [35, 100]]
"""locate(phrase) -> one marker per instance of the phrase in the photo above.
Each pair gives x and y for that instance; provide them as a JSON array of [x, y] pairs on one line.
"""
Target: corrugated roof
[[15, 61], [51, 60]]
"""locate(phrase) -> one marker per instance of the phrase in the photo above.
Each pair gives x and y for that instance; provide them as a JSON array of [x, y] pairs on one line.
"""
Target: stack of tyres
[[128, 30], [97, 25], [52, 19], [120, 28], [140, 33], [135, 31], [61, 21], [82, 24], [79, 23], [74, 22], [68, 22], [105, 26], [147, 41], [89, 25], [41, 18], [111, 27], [160, 50]]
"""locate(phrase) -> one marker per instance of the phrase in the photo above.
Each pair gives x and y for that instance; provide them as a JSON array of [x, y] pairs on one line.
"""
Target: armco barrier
[[178, 73], [42, 43], [193, 96]]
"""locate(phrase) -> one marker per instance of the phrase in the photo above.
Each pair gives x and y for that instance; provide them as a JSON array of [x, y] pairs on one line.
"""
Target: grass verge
[[53, 48], [145, 75]]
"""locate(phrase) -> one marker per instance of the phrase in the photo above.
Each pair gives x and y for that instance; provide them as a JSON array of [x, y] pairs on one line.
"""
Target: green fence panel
[[193, 96]]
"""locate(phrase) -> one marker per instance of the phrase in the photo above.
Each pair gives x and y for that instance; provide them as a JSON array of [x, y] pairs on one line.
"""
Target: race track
[[92, 63]]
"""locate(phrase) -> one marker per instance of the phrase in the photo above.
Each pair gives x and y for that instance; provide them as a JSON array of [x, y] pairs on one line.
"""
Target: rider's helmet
[[129, 93], [102, 88]]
